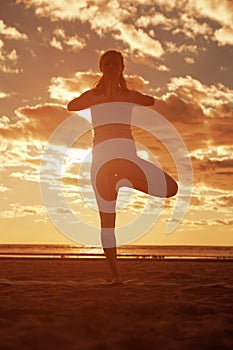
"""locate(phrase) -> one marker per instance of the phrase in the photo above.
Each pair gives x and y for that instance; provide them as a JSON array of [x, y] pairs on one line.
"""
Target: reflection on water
[[124, 252]]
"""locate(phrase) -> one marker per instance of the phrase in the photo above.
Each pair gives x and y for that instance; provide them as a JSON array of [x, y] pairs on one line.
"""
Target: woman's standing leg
[[109, 243], [106, 196]]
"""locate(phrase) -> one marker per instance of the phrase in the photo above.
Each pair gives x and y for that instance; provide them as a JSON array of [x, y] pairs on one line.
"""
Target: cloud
[[35, 122], [208, 108], [221, 129], [75, 43], [31, 130], [41, 120], [178, 110], [191, 27], [227, 222], [8, 60], [11, 32], [31, 174], [136, 82], [20, 161], [18, 210], [103, 17], [139, 41], [193, 19], [189, 60], [162, 68], [208, 199], [155, 19], [65, 89], [224, 36], [61, 9], [208, 97], [207, 222], [56, 44], [214, 174], [4, 94], [219, 11], [215, 154], [206, 132], [3, 188], [184, 22], [225, 201], [59, 32], [172, 47], [61, 39], [131, 25]]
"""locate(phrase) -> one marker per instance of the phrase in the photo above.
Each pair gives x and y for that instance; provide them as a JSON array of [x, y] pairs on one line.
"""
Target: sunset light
[[116, 164], [182, 56]]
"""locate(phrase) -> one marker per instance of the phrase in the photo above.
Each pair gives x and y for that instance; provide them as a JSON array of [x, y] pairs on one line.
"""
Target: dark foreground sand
[[66, 304]]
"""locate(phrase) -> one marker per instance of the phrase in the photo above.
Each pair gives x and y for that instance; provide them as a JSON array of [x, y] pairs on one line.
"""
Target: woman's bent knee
[[172, 189]]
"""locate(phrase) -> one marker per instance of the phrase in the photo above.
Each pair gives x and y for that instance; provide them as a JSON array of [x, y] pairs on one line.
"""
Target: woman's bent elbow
[[149, 101], [69, 106]]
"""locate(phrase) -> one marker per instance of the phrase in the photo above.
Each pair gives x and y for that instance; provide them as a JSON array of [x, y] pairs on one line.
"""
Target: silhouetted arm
[[140, 99], [84, 101], [88, 99]]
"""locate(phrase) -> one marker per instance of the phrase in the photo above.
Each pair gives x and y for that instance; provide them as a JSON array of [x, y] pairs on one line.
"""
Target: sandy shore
[[67, 304]]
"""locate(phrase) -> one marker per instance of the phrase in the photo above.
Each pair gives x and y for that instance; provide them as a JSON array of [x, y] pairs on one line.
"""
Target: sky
[[178, 51]]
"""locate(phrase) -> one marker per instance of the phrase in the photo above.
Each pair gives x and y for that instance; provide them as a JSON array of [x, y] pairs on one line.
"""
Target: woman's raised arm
[[140, 99], [85, 100], [88, 99]]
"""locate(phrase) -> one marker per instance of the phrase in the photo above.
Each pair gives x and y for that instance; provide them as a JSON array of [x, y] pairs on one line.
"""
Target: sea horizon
[[74, 251]]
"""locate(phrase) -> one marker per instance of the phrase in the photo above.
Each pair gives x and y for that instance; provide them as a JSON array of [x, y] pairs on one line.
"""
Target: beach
[[163, 304]]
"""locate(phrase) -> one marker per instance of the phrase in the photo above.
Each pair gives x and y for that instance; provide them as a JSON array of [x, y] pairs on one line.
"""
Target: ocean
[[60, 251]]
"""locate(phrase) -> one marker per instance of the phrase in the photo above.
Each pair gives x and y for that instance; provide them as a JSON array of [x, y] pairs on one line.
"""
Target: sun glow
[[77, 156]]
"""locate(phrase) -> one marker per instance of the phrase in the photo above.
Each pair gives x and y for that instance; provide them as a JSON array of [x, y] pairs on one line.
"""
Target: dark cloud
[[211, 172], [178, 111], [225, 201], [221, 125], [38, 122]]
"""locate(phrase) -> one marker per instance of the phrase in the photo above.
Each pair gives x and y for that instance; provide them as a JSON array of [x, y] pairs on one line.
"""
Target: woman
[[114, 158]]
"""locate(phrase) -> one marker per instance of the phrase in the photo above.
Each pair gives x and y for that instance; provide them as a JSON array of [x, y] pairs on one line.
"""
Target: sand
[[67, 304]]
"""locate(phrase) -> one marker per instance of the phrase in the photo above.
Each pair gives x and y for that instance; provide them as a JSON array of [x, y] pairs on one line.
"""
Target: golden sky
[[178, 51]]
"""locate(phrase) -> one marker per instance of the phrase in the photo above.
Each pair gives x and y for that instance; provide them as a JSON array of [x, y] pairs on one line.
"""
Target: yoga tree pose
[[115, 162]]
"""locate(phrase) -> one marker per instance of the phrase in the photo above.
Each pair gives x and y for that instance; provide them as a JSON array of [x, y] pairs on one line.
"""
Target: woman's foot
[[116, 280]]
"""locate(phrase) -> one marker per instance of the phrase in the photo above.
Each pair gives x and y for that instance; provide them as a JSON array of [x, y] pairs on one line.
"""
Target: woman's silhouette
[[114, 159]]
